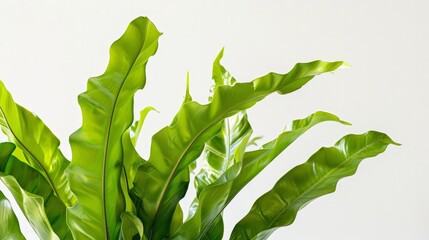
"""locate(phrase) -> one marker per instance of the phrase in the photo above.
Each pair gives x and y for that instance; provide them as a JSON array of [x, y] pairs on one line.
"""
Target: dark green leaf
[[107, 110], [306, 182]]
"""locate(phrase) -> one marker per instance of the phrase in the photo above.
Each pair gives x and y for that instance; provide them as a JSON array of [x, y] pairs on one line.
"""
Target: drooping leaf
[[33, 182], [9, 227], [131, 227], [107, 110], [216, 196], [176, 146], [30, 204], [37, 145], [306, 182]]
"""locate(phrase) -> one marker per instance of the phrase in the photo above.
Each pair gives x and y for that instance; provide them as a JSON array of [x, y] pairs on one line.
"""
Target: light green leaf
[[37, 145], [216, 196], [177, 219], [179, 144], [33, 182], [30, 204], [223, 150], [131, 226], [9, 227], [306, 182], [138, 125], [107, 110]]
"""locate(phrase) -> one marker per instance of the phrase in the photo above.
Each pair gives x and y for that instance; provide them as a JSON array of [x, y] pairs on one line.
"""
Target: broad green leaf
[[107, 111], [37, 145], [9, 227], [30, 204], [306, 182], [131, 226], [33, 182], [216, 196], [176, 146], [216, 230]]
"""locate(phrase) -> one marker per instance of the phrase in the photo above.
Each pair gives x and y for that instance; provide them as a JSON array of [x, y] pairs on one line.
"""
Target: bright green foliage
[[108, 191], [9, 229]]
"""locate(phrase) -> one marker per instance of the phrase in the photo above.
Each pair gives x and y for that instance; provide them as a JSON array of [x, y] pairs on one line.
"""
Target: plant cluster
[[108, 191]]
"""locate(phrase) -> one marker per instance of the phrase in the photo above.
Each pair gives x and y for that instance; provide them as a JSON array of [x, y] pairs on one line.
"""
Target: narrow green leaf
[[30, 204], [9, 227], [306, 182], [33, 182], [138, 125], [107, 111], [131, 226], [179, 144], [216, 196], [131, 159], [37, 145]]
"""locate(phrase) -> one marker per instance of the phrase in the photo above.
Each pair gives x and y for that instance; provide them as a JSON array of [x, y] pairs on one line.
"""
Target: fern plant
[[107, 191]]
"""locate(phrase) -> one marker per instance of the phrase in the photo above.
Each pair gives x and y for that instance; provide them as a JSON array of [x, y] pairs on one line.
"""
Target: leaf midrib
[[107, 141]]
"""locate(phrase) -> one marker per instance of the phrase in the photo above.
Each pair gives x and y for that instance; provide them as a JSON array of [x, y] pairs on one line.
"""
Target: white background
[[48, 49]]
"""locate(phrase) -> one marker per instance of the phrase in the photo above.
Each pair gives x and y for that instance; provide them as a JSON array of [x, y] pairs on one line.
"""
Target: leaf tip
[[345, 65], [345, 123]]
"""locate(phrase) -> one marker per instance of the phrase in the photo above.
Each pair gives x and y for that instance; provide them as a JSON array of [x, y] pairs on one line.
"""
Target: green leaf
[[223, 150], [131, 226], [107, 110], [176, 146], [30, 204], [217, 195], [138, 125], [129, 140], [131, 159], [228, 146], [9, 227], [37, 145], [306, 182], [33, 182], [177, 219]]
